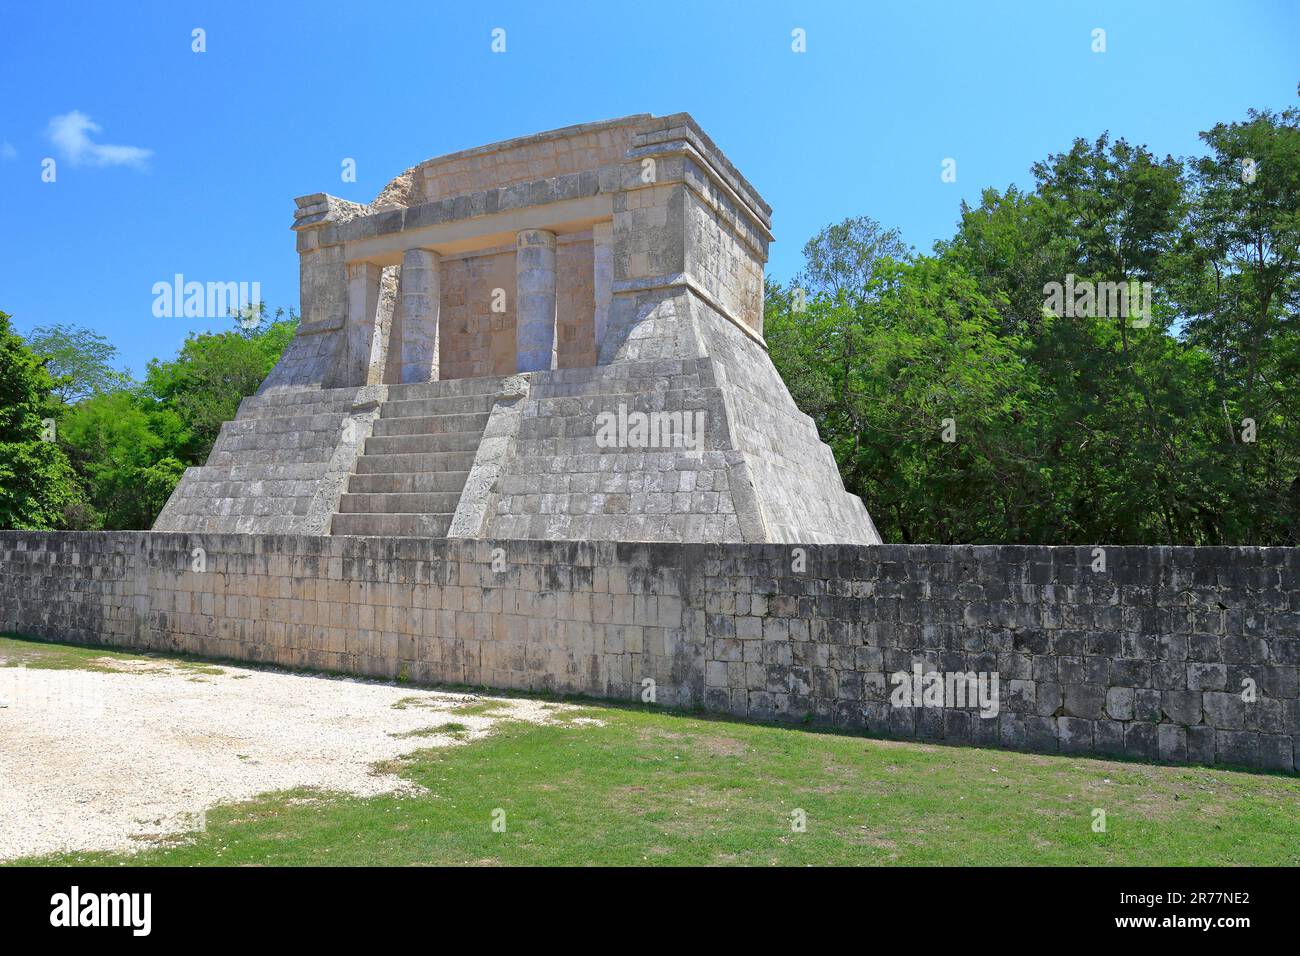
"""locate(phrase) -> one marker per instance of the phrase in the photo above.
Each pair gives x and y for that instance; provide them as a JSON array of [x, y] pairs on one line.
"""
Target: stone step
[[413, 467], [238, 455], [259, 488], [422, 444], [275, 424], [409, 483], [431, 425], [244, 504], [447, 387], [425, 407], [443, 502], [298, 403], [258, 471], [259, 441], [399, 525], [399, 464]]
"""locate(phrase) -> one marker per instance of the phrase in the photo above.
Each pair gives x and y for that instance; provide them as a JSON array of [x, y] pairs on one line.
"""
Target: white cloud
[[7, 151], [70, 134]]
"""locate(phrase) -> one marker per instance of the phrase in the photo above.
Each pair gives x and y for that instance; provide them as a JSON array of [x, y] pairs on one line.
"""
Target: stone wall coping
[[679, 126], [563, 132], [352, 222], [1128, 557]]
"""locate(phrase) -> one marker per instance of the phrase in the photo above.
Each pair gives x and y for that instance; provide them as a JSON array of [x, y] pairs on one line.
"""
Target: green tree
[[212, 373], [842, 258], [1122, 419], [1077, 426], [132, 445], [122, 445], [1238, 281], [36, 482], [890, 370], [79, 360]]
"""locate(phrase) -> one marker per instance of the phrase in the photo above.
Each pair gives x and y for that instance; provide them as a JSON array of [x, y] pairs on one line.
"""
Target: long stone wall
[[1175, 654]]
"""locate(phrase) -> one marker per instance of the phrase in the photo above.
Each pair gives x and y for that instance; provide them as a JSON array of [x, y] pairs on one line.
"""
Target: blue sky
[[213, 147]]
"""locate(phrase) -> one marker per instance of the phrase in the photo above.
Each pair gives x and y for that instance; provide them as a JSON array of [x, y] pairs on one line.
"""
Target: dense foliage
[[128, 443], [963, 410], [37, 485], [79, 361]]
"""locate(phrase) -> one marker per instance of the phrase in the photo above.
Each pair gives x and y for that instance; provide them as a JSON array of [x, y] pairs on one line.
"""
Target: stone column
[[363, 307], [381, 334], [602, 249], [323, 274], [535, 300], [421, 297]]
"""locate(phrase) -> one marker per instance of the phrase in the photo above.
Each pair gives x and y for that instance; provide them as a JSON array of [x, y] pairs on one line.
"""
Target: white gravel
[[94, 760]]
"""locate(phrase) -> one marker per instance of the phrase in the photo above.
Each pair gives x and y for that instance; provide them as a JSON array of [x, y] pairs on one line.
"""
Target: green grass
[[442, 730], [19, 651], [652, 787]]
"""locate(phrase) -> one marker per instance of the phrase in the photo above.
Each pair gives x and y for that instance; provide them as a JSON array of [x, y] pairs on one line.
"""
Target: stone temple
[[558, 336]]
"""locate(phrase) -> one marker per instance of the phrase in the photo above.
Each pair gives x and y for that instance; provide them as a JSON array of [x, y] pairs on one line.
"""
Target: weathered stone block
[[1182, 707], [1012, 733], [1237, 747], [1146, 705], [1108, 737], [1225, 711], [1048, 698], [1119, 703], [1085, 700], [1201, 744], [1206, 676], [1076, 734], [1172, 743], [1041, 734], [1276, 752], [1140, 740]]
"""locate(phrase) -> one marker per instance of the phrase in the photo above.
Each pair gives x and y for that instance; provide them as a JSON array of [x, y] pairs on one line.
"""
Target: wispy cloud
[[7, 151], [70, 134]]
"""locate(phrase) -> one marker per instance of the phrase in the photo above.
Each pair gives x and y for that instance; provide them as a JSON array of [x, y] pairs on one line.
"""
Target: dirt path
[[108, 760]]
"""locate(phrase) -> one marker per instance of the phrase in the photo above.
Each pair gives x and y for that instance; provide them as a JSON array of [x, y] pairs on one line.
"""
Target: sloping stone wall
[[279, 466], [1179, 654], [797, 483]]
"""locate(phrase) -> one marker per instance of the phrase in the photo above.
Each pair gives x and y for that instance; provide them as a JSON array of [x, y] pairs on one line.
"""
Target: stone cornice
[[693, 160], [322, 209], [543, 192], [682, 126]]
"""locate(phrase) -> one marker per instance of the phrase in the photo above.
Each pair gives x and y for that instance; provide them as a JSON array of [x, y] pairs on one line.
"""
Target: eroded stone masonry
[[1178, 654], [528, 436], [465, 337]]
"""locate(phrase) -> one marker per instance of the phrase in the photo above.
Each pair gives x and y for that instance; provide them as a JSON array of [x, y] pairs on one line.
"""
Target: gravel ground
[[93, 760]]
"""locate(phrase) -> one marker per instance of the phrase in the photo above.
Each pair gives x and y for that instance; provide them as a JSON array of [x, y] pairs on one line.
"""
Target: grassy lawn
[[18, 651], [619, 785]]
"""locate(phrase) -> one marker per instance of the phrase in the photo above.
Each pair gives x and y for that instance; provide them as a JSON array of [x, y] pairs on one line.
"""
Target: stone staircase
[[265, 470], [408, 478]]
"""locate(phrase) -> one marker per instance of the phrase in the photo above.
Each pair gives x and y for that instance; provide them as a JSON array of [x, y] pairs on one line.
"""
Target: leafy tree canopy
[[79, 360], [37, 483]]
